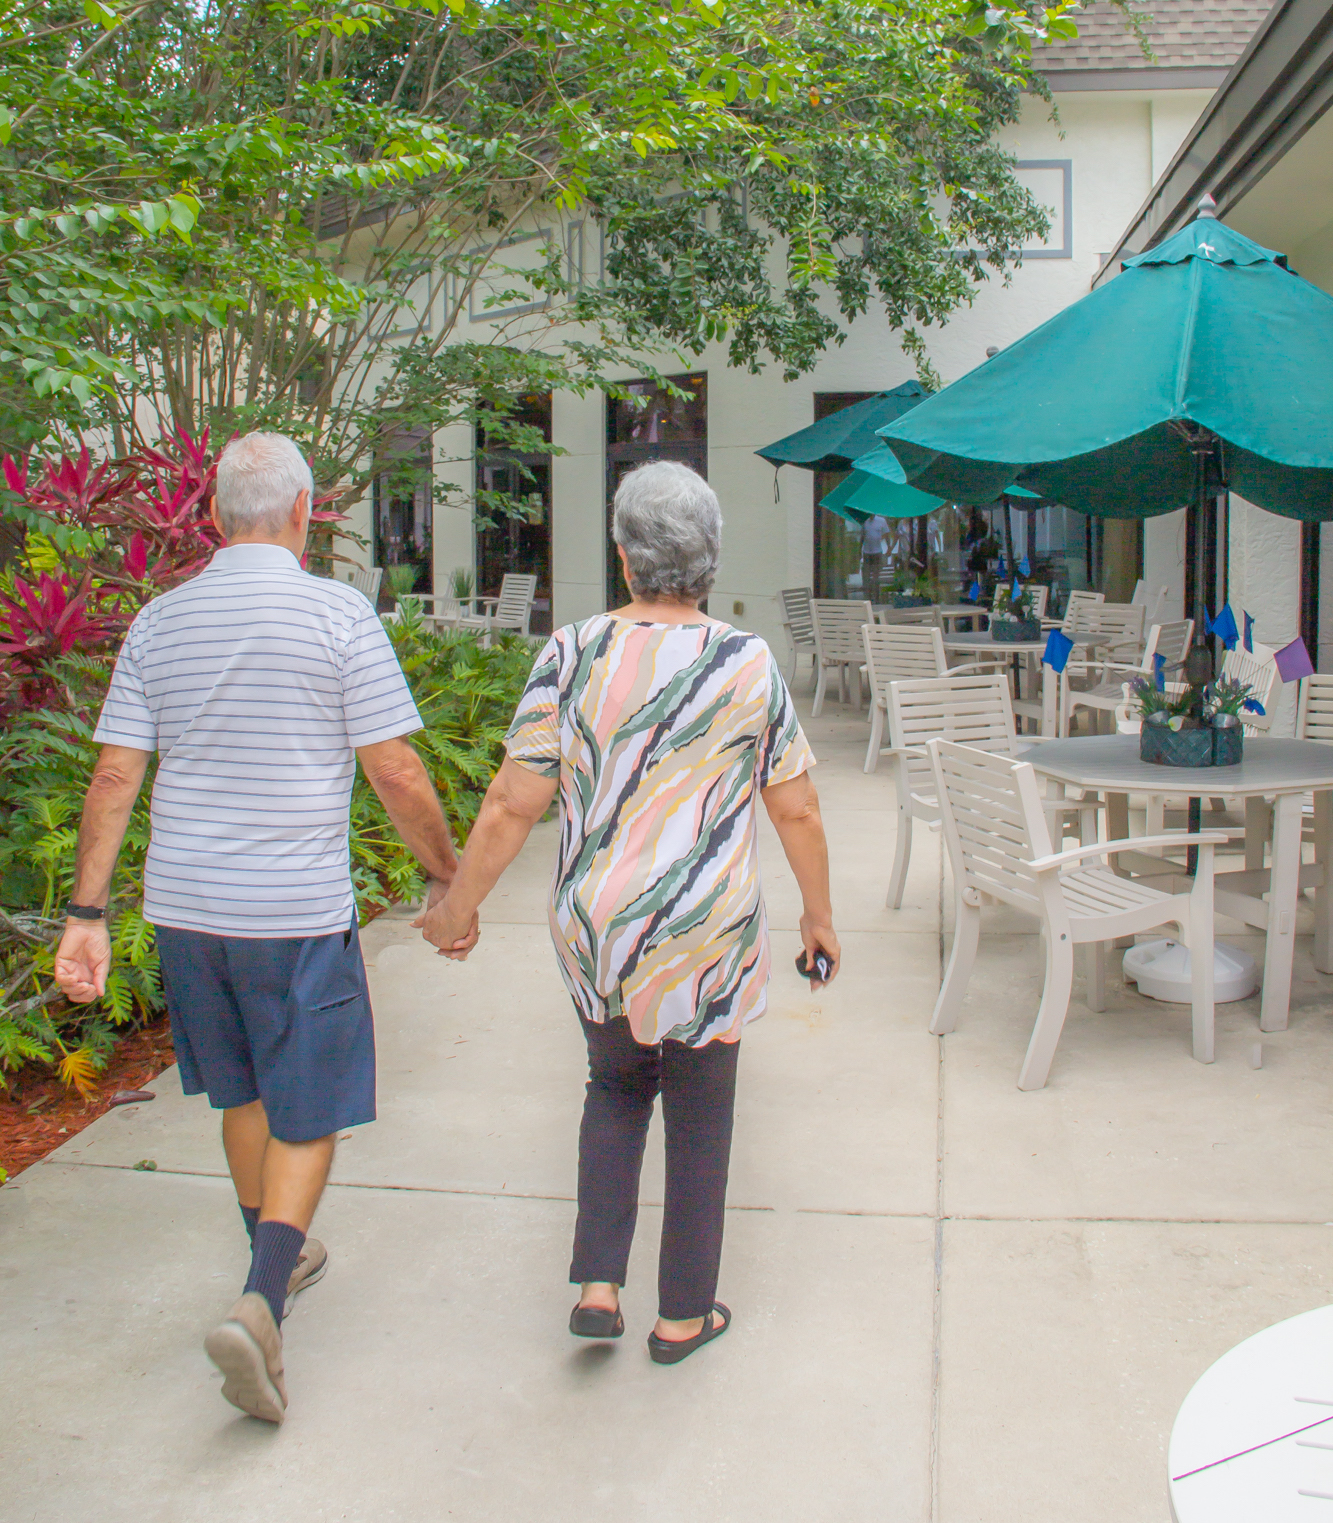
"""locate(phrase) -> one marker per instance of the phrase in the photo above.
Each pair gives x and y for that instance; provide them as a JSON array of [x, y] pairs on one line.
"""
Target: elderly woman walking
[[659, 726]]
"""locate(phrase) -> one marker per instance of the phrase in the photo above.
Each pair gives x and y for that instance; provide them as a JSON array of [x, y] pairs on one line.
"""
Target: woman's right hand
[[819, 936]]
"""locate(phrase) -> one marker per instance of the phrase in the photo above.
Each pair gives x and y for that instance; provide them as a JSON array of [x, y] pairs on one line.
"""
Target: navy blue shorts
[[286, 1021]]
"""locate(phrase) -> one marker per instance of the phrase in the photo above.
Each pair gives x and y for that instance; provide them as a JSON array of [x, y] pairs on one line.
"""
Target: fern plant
[[466, 696]]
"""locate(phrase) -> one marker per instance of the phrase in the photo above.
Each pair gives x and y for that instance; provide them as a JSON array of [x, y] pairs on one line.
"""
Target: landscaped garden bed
[[100, 542], [40, 1112]]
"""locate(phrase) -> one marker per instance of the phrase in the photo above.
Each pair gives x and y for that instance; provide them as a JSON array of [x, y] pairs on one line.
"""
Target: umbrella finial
[[1207, 207]]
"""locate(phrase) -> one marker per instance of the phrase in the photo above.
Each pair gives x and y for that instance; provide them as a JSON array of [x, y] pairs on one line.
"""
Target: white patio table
[[1281, 770], [952, 614], [1253, 1440], [982, 644]]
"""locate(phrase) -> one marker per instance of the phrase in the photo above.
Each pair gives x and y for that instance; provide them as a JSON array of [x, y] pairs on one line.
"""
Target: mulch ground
[[39, 1114]]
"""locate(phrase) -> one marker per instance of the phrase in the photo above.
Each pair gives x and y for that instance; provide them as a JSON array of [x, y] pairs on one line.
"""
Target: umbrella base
[[1162, 971]]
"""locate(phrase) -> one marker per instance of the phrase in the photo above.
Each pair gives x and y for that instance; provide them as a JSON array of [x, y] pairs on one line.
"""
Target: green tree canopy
[[276, 212]]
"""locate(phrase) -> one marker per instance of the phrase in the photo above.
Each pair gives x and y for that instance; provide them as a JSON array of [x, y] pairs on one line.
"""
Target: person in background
[[659, 728], [872, 556], [259, 687]]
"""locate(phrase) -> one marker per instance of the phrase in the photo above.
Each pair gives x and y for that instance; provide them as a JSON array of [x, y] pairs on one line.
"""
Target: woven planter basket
[[1009, 631], [1190, 748]]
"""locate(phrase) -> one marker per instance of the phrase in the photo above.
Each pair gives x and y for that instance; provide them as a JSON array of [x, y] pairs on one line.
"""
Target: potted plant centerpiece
[[908, 591], [1013, 615], [1198, 724]]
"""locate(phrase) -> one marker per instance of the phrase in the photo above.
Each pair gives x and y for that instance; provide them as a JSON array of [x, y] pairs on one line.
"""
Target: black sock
[[277, 1248], [251, 1215]]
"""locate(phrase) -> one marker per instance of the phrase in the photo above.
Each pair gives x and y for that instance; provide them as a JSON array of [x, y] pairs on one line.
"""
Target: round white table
[[1253, 1440], [1281, 770]]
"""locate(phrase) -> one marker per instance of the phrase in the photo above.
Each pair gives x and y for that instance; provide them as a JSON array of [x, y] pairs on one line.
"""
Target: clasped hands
[[452, 933]]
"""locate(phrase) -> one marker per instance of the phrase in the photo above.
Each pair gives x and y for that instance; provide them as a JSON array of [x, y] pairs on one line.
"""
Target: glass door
[[653, 425], [402, 516], [520, 544]]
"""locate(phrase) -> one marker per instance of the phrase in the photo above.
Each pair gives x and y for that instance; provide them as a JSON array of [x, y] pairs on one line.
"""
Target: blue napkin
[[1058, 649]]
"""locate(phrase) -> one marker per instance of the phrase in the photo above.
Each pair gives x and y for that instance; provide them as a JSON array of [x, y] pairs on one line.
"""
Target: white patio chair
[[1080, 619], [1041, 596], [798, 622], [1314, 708], [366, 580], [995, 829], [838, 645], [901, 652], [1110, 680], [511, 610], [971, 710]]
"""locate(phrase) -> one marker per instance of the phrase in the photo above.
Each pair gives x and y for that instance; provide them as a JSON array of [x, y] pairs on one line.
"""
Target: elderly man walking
[[255, 683]]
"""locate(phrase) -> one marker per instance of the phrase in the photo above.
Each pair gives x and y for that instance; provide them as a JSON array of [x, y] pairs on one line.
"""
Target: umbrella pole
[[1200, 668], [1010, 565]]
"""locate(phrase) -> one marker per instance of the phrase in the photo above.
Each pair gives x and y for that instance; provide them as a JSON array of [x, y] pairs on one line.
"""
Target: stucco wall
[[1108, 146]]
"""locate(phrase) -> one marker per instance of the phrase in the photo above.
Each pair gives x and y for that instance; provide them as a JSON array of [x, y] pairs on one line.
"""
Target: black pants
[[698, 1089]]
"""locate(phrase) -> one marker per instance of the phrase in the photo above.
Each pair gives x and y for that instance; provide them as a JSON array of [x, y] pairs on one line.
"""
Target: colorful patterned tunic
[[661, 735]]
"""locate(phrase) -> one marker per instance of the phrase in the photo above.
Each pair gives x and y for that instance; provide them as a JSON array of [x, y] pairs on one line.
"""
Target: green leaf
[[103, 15]]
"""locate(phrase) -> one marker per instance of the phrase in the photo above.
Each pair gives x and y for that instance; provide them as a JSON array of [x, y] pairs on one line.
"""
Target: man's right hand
[[83, 960], [450, 932]]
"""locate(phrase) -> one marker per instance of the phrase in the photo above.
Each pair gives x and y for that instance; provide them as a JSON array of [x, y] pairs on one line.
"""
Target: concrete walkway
[[953, 1301]]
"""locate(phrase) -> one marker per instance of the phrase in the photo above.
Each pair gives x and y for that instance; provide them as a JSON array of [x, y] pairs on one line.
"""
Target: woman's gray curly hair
[[669, 524]]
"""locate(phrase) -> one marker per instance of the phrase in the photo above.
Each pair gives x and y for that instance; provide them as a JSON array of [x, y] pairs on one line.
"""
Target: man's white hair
[[260, 477]]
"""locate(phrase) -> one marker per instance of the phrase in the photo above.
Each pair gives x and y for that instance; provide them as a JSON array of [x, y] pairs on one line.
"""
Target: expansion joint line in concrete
[[939, 1218]]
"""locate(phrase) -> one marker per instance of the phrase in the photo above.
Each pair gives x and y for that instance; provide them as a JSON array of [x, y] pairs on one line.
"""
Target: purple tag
[[1247, 640], [1293, 661], [1058, 649]]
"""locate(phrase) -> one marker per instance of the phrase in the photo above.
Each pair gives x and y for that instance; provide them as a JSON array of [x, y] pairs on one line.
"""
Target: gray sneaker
[[310, 1267], [247, 1347]]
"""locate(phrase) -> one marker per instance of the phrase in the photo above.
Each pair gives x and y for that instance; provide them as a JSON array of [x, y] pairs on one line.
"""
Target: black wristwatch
[[85, 911]]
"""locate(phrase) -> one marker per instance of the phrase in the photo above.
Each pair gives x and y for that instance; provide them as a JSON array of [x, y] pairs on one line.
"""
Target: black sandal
[[596, 1322], [669, 1351]]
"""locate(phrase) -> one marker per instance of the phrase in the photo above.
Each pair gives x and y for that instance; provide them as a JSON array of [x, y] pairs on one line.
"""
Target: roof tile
[[1185, 34]]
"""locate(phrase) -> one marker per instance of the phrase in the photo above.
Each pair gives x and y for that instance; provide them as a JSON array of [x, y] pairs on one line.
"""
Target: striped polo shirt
[[254, 681]]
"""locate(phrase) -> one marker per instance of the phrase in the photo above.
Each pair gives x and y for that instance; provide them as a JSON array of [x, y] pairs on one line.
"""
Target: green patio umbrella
[[834, 442], [1206, 365], [860, 496]]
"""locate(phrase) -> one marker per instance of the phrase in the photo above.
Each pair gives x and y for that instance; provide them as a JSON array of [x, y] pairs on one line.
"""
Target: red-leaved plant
[[126, 530]]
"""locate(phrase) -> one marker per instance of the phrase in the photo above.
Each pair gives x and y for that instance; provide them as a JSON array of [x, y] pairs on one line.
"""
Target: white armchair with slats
[[1109, 680], [999, 845], [798, 622], [366, 580], [900, 652], [838, 646], [512, 610], [971, 710]]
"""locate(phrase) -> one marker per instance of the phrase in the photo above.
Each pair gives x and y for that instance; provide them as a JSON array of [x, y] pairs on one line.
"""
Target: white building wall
[[1103, 151], [453, 538], [578, 508]]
